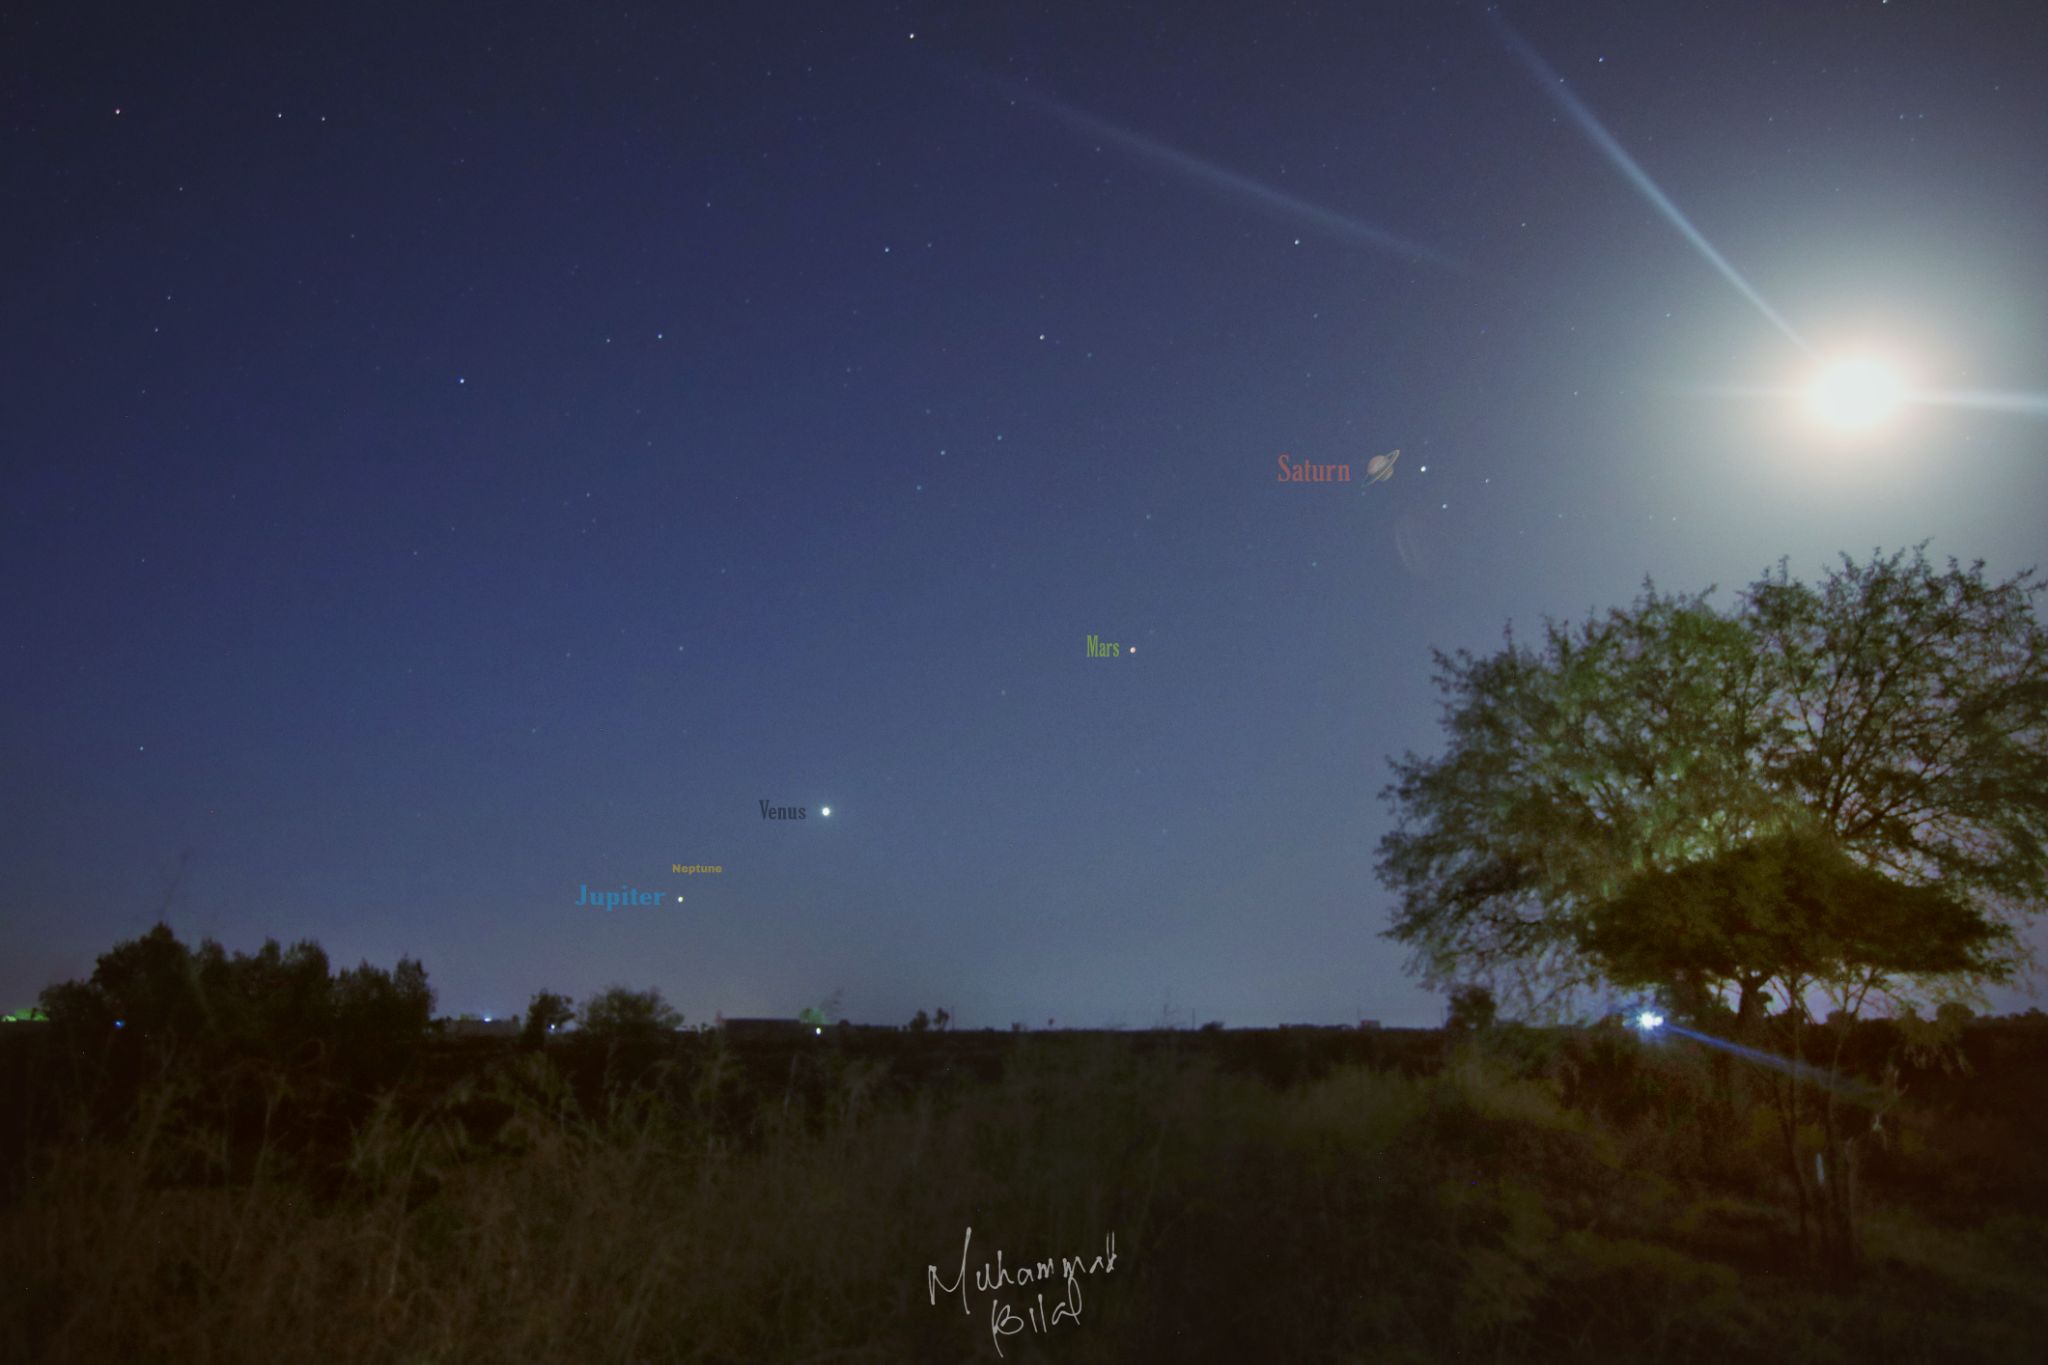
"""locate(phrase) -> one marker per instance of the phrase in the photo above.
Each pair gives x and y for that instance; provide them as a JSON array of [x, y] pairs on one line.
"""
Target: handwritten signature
[[1002, 1319]]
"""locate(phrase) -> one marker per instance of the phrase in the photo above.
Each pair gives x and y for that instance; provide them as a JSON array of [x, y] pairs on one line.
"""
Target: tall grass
[[1473, 1214]]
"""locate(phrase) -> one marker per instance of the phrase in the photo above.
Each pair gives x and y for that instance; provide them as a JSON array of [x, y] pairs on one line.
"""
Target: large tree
[[1899, 712]]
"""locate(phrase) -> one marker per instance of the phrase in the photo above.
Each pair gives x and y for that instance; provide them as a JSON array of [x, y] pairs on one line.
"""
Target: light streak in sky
[[1988, 400], [1983, 400], [1553, 86], [1215, 177]]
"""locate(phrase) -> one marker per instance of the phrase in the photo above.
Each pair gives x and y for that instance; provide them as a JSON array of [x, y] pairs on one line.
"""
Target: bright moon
[[1856, 394]]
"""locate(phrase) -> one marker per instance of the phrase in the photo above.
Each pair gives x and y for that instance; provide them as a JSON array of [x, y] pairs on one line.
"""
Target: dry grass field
[[1574, 1199]]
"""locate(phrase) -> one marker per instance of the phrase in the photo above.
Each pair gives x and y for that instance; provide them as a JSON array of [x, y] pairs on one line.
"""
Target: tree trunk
[[1838, 1194], [1749, 1009], [1788, 1124]]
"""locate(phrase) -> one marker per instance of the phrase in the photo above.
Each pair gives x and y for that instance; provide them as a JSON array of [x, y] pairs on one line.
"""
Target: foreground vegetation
[[1506, 1194]]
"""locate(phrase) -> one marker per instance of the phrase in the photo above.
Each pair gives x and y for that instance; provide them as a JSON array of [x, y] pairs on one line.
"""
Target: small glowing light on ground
[[1856, 393], [1649, 1019]]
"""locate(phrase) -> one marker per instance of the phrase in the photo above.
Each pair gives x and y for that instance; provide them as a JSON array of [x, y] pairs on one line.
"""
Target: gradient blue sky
[[458, 453]]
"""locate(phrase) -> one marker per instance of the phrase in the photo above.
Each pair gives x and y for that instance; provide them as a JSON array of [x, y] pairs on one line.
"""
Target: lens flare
[[1553, 85], [1847, 1086], [1208, 174]]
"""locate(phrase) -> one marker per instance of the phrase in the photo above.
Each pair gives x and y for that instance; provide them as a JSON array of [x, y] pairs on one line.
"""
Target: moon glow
[[1855, 393]]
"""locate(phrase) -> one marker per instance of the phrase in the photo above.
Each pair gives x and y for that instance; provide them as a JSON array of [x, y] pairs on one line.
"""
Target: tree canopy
[[273, 1001], [1897, 713], [619, 1014], [1791, 908]]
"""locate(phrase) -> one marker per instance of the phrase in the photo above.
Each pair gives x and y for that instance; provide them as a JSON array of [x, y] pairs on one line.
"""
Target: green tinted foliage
[[1792, 907], [1900, 712]]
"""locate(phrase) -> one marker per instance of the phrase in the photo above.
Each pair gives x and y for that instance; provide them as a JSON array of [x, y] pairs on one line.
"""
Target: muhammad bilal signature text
[[1003, 1320]]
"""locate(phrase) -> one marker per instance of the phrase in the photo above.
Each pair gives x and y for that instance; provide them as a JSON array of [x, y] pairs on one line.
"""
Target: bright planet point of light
[[828, 810], [1856, 393], [1649, 1019]]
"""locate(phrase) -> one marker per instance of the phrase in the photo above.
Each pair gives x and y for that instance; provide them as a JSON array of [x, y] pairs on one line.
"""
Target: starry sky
[[456, 454]]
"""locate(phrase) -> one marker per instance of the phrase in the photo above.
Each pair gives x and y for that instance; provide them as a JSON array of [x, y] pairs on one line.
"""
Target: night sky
[[455, 454]]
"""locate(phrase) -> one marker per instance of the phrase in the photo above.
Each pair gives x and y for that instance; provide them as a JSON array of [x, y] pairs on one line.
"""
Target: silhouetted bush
[[621, 1015], [1472, 1007], [547, 1012]]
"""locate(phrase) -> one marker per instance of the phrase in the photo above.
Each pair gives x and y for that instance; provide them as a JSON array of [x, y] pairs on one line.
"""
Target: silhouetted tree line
[[177, 1005]]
